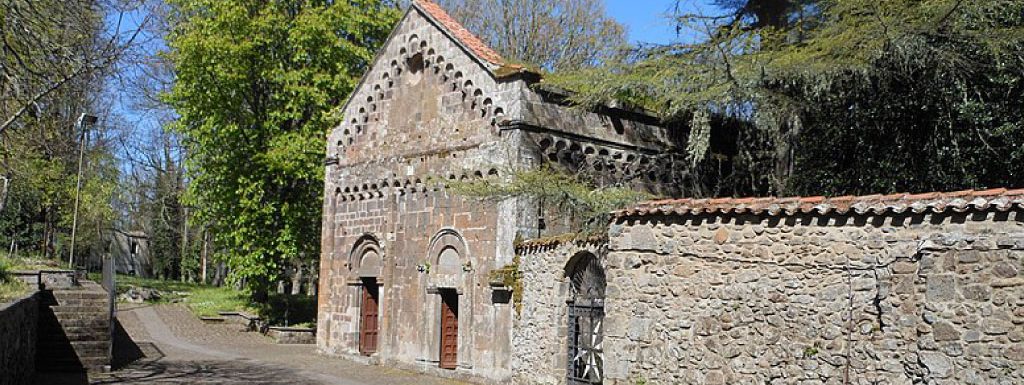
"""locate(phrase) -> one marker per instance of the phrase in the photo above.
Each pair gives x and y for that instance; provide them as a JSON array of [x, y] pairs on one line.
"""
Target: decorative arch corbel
[[416, 57]]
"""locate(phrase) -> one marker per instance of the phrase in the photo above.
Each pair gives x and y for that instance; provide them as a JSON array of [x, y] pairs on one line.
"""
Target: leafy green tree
[[837, 96], [55, 56], [42, 163], [258, 85]]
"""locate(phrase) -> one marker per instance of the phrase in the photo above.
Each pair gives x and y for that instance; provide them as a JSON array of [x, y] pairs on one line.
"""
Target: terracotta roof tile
[[459, 32], [960, 201]]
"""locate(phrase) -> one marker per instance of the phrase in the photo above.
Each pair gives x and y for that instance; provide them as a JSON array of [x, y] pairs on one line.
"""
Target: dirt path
[[180, 349]]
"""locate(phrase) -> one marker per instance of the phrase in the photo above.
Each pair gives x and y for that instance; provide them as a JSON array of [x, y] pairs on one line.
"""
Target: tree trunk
[[202, 257], [4, 184], [297, 280], [184, 242]]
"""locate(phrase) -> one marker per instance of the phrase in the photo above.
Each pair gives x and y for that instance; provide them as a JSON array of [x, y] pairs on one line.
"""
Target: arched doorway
[[451, 281], [368, 265], [585, 364]]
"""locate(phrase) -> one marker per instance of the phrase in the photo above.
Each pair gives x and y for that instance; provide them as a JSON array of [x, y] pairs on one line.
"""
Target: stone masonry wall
[[875, 299], [18, 326], [428, 113], [424, 114], [539, 336]]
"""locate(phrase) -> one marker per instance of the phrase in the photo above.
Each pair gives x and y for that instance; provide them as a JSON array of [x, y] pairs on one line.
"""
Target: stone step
[[80, 309], [85, 351], [72, 364], [69, 345], [68, 315], [101, 327], [82, 302], [72, 323], [79, 294], [95, 334]]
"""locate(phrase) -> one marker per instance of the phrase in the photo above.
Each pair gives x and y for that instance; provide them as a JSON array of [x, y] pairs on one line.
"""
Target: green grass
[[208, 301], [34, 262], [165, 287], [203, 300], [10, 287]]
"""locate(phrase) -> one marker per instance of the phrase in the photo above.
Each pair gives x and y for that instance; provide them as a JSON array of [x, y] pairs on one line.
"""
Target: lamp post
[[83, 121]]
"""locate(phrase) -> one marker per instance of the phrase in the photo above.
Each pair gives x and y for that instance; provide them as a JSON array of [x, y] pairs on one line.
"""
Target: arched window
[[586, 320]]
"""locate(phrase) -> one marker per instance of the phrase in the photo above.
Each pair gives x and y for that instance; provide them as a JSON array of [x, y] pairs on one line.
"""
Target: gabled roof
[[458, 32], [488, 57], [999, 199]]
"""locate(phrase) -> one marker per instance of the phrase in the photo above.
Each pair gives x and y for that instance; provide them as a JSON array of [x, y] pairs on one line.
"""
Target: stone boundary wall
[[539, 333], [18, 328], [934, 298]]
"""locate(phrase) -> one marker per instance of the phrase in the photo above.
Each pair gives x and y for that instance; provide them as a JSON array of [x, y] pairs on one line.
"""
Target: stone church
[[405, 263], [880, 289]]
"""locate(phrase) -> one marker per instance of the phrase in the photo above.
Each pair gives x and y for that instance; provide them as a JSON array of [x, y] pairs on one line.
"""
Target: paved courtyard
[[181, 349]]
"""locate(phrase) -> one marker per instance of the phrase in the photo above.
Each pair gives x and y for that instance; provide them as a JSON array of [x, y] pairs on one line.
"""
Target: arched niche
[[449, 257], [367, 259], [586, 278]]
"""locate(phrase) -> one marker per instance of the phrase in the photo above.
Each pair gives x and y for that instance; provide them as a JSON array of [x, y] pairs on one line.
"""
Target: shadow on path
[[125, 349], [203, 372]]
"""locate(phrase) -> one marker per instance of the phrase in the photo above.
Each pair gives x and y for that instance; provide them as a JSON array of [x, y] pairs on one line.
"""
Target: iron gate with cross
[[586, 322]]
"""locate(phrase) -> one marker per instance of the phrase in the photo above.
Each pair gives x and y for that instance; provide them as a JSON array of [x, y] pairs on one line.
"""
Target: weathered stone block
[[941, 287], [1004, 269], [939, 366], [943, 331], [976, 292]]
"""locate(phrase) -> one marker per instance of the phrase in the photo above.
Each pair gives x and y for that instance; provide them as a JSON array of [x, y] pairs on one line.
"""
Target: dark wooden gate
[[369, 321], [449, 329]]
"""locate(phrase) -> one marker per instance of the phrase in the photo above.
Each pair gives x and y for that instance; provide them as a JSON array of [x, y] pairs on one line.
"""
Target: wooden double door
[[369, 319], [449, 329]]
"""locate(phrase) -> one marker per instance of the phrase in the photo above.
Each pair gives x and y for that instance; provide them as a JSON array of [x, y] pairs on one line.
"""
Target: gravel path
[[181, 349]]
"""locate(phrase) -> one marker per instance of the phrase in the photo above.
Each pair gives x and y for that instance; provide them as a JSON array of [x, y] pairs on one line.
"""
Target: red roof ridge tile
[[989, 192], [460, 33], [1000, 198]]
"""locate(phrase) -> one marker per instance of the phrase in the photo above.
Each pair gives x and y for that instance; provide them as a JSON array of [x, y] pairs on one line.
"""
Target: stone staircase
[[74, 330]]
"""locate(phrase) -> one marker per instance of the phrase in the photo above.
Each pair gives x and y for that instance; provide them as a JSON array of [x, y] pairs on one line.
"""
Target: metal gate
[[586, 334], [586, 322]]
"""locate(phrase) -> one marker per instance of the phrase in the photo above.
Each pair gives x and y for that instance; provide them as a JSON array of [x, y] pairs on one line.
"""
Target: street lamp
[[84, 121]]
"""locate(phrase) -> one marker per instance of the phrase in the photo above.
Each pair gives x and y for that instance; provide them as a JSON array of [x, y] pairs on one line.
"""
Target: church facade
[[405, 269]]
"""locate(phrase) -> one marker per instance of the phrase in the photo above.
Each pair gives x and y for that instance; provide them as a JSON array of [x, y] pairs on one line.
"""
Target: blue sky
[[649, 21]]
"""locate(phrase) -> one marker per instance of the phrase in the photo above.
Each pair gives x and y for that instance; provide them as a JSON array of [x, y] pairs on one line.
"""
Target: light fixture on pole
[[84, 121]]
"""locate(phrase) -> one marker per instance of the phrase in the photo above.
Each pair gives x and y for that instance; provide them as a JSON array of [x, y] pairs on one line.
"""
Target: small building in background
[[131, 254]]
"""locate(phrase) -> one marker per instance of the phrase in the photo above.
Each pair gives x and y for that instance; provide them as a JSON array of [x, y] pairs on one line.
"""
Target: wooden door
[[449, 329], [368, 325]]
